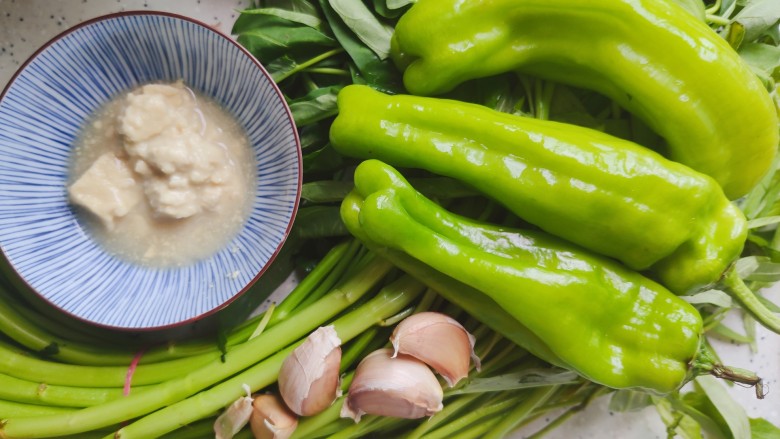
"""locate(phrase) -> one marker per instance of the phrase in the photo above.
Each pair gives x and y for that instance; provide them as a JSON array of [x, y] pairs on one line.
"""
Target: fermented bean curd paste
[[165, 177]]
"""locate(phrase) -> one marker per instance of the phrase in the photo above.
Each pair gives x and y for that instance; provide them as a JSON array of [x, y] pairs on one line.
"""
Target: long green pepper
[[608, 195], [606, 322], [650, 56]]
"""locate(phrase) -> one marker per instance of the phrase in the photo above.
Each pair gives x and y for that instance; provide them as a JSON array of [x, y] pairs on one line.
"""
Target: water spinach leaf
[[373, 33]]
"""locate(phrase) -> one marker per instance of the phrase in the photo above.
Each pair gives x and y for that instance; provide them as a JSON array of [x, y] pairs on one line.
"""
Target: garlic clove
[[271, 419], [235, 417], [439, 341], [401, 387], [309, 379]]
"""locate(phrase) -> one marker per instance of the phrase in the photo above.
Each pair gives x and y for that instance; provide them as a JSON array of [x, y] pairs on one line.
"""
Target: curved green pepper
[[650, 56], [480, 306], [608, 323], [608, 195]]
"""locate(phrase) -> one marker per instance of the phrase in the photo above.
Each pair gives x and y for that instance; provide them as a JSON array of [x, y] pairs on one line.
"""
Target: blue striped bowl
[[41, 113]]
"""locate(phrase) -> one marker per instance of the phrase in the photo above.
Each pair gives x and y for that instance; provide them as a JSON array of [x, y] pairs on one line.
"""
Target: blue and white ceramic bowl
[[41, 114]]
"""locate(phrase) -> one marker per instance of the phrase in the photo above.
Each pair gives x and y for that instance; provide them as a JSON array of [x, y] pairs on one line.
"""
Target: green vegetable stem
[[40, 393], [606, 194], [650, 56], [18, 363], [181, 386], [608, 323], [52, 340], [390, 300]]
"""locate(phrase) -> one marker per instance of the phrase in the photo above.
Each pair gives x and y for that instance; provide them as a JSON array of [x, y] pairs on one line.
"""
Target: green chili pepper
[[606, 194], [479, 305], [650, 56], [608, 323]]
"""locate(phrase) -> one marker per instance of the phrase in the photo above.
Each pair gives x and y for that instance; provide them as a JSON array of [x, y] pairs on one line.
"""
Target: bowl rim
[[19, 280]]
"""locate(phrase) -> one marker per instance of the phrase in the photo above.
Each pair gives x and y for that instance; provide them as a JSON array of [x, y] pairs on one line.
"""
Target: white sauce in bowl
[[165, 177]]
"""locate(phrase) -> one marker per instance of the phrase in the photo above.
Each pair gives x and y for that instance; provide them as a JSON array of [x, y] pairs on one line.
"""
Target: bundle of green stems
[[59, 381]]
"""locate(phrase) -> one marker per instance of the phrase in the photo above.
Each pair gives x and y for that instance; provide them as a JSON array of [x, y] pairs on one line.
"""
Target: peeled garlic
[[271, 419], [439, 341], [402, 387], [309, 378], [235, 417]]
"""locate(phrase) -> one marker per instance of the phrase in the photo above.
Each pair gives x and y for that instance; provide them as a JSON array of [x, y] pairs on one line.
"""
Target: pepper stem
[[706, 364], [747, 298], [740, 376]]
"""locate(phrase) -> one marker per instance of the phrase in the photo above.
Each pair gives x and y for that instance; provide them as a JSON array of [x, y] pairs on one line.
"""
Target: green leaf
[[695, 7], [245, 22], [442, 188], [311, 58], [771, 306], [629, 400], [727, 8], [677, 423], [760, 428], [733, 413], [315, 106], [762, 199], [762, 222], [764, 60], [319, 222], [281, 67], [304, 18], [327, 191], [747, 265], [313, 136], [373, 33], [710, 297], [303, 6], [330, 191], [519, 380], [773, 34], [325, 159], [276, 37], [396, 4], [730, 334], [765, 271], [773, 247], [493, 92], [699, 408], [757, 18], [381, 7], [763, 57], [373, 71], [749, 323]]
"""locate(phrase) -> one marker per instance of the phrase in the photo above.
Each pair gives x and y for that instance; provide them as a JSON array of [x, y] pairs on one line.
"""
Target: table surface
[[25, 25]]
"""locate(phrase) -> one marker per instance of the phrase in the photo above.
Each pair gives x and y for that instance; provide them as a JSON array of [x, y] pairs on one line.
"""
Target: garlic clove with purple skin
[[271, 418], [309, 379], [401, 387], [439, 341]]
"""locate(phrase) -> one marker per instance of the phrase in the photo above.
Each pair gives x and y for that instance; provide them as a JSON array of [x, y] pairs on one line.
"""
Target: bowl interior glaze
[[42, 111]]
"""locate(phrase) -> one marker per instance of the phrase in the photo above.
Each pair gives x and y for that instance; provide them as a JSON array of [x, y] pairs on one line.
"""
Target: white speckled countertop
[[25, 25]]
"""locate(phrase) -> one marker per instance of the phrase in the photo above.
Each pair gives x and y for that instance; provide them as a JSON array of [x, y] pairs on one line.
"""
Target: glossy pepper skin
[[651, 56], [608, 323], [479, 305], [605, 194]]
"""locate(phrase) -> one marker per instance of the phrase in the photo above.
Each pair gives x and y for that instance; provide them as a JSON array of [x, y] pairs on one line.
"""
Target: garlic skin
[[271, 419], [235, 417], [439, 341], [309, 379], [400, 386]]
